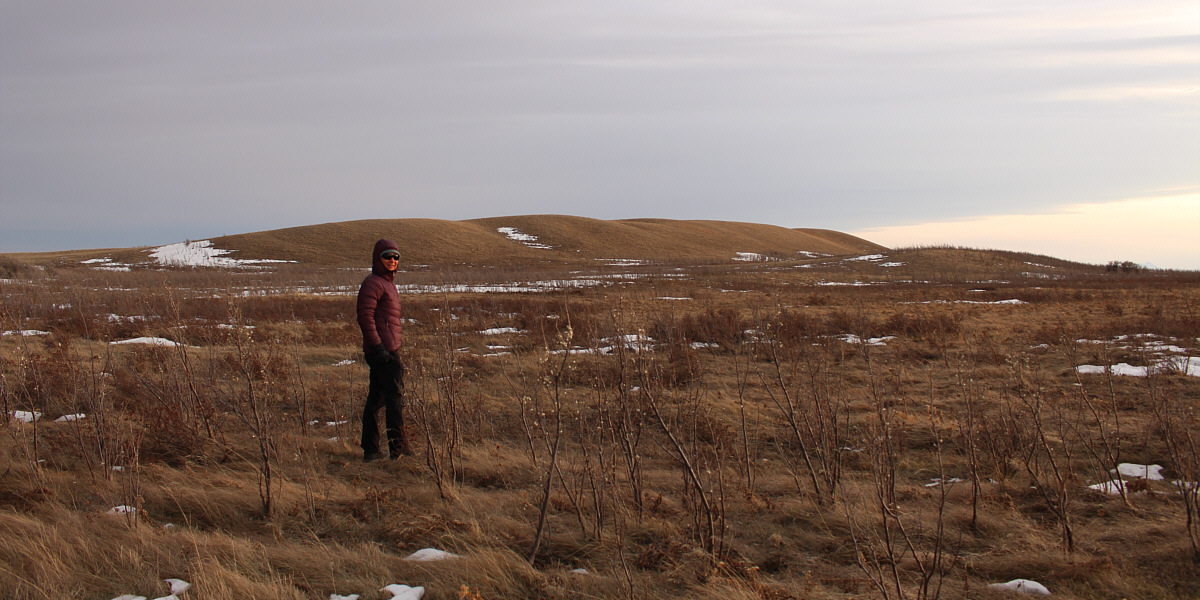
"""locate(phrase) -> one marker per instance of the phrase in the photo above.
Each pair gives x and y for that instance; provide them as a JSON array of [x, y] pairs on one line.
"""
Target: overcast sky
[[138, 123]]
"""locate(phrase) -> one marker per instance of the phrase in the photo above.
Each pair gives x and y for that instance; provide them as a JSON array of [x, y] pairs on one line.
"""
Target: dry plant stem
[[1054, 480], [879, 552], [86, 390], [707, 533], [966, 386], [628, 430], [787, 407], [1106, 421], [28, 396], [600, 475], [447, 376], [201, 408], [1179, 424], [525, 401], [250, 406], [131, 472], [426, 423], [554, 379], [742, 377]]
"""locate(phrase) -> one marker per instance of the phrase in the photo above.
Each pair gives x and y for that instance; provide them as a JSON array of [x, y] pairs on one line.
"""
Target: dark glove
[[378, 355]]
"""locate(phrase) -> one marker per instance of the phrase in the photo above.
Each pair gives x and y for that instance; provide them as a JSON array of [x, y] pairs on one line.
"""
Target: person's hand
[[378, 355]]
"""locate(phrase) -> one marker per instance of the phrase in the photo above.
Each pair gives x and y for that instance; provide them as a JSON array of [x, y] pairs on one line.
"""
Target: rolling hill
[[510, 241]]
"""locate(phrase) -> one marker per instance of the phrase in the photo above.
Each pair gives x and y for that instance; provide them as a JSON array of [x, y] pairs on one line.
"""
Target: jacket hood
[[376, 260]]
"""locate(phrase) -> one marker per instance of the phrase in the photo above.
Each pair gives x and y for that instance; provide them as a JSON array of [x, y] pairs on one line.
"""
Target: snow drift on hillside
[[202, 254], [515, 235]]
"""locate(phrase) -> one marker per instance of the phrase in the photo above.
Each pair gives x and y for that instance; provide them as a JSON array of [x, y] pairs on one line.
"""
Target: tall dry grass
[[737, 444]]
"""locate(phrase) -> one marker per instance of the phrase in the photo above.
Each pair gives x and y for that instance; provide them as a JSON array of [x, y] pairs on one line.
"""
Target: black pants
[[386, 390]]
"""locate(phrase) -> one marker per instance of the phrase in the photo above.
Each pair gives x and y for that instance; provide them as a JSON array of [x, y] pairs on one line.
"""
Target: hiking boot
[[372, 456], [400, 447]]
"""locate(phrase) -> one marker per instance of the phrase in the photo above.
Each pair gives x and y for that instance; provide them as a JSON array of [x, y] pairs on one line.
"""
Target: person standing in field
[[378, 311]]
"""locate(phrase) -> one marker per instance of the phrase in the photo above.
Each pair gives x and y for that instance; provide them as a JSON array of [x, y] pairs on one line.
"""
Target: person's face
[[391, 260]]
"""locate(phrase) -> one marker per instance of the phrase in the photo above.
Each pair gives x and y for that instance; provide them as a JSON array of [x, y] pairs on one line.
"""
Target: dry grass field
[[914, 423]]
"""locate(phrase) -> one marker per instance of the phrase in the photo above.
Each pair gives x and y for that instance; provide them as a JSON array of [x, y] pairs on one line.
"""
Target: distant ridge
[[530, 239], [569, 239]]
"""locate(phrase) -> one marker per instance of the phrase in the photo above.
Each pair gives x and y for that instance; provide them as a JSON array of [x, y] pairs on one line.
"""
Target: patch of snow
[[152, 341], [1112, 488], [671, 298], [344, 363], [504, 288], [624, 262], [1182, 365], [500, 331], [25, 416], [939, 481], [430, 554], [751, 257], [850, 338], [1025, 586], [122, 510], [866, 257], [400, 591], [807, 254], [25, 332], [341, 597], [70, 418], [1151, 472], [1009, 301], [178, 586], [202, 254], [891, 264], [702, 345], [327, 423], [106, 264], [515, 235], [115, 318], [635, 342]]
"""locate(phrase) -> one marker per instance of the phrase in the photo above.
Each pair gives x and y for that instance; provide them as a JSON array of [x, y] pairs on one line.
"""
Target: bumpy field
[[914, 423]]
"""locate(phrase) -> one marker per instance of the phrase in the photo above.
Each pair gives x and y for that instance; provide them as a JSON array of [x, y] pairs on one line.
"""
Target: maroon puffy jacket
[[379, 304]]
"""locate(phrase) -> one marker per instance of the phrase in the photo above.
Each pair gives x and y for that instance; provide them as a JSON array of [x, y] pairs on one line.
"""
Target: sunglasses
[[390, 256]]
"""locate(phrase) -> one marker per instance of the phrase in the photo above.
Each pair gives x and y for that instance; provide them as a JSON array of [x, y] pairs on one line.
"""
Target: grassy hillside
[[572, 240]]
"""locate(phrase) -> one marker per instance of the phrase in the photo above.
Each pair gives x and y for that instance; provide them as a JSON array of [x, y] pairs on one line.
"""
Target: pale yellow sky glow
[[1161, 230]]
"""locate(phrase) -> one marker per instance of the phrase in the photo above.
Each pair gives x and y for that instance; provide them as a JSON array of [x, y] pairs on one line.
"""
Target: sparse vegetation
[[816, 428]]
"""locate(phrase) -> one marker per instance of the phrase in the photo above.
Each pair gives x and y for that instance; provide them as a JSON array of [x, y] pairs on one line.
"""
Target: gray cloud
[[145, 122]]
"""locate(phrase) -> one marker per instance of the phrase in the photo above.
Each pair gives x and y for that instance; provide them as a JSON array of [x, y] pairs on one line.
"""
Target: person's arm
[[368, 301]]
